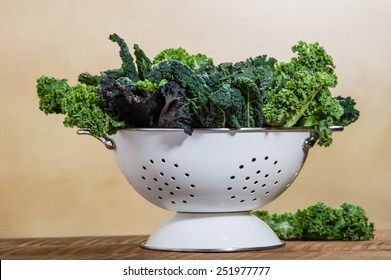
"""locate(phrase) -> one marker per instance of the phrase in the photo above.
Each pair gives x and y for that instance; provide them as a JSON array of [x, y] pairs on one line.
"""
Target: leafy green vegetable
[[350, 114], [321, 222], [80, 104], [193, 61], [51, 92], [147, 85], [144, 64], [88, 79], [301, 95], [178, 89], [84, 109], [127, 60]]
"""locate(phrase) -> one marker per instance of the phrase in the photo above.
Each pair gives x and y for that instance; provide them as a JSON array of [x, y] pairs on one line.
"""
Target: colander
[[212, 180]]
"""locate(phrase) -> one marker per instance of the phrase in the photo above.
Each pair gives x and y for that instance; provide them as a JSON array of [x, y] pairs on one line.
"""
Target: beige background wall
[[55, 183]]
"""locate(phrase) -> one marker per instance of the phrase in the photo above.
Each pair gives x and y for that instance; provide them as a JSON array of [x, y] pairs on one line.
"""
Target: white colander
[[212, 179]]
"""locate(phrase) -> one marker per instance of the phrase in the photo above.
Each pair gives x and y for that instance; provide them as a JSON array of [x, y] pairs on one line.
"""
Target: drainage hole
[[275, 162], [267, 175], [253, 159], [166, 184], [161, 174], [276, 182], [173, 202], [149, 189], [191, 195], [184, 201], [163, 160], [160, 197], [171, 193], [144, 167], [173, 178], [242, 201], [253, 191], [192, 186], [187, 174], [151, 161], [266, 157], [233, 197], [256, 182], [176, 165], [229, 189], [143, 177], [244, 188], [160, 189], [155, 179], [266, 193], [264, 185], [258, 171], [247, 178], [178, 188], [241, 166], [279, 171], [254, 199], [232, 177]]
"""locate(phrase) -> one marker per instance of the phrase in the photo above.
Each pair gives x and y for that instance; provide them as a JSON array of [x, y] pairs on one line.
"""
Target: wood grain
[[128, 247]]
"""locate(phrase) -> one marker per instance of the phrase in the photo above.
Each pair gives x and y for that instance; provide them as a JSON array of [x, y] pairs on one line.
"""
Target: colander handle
[[311, 141], [107, 141]]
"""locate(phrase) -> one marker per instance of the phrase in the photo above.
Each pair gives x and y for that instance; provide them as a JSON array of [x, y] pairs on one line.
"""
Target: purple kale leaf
[[175, 113], [135, 107]]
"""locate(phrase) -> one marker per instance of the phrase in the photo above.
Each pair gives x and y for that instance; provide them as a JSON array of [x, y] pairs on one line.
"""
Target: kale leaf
[[321, 222], [175, 113], [137, 108], [195, 62], [301, 95], [178, 89], [350, 113], [127, 60], [51, 92]]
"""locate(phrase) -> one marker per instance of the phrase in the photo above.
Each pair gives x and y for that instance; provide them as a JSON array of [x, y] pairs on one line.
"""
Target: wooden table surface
[[128, 247]]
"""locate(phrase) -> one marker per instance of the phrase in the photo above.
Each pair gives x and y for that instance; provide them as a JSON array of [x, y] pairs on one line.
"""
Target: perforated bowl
[[212, 179]]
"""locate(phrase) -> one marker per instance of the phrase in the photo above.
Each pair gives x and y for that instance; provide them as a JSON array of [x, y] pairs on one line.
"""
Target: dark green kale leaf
[[175, 113], [252, 99], [88, 79], [227, 108], [144, 64], [350, 114], [128, 67], [197, 90]]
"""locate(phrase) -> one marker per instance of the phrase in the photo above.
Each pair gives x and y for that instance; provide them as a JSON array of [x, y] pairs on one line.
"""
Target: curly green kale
[[321, 222], [51, 92], [301, 95], [80, 104], [85, 109], [282, 224]]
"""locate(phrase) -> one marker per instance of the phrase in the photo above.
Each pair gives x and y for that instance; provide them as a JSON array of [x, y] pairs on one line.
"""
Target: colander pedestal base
[[213, 232]]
